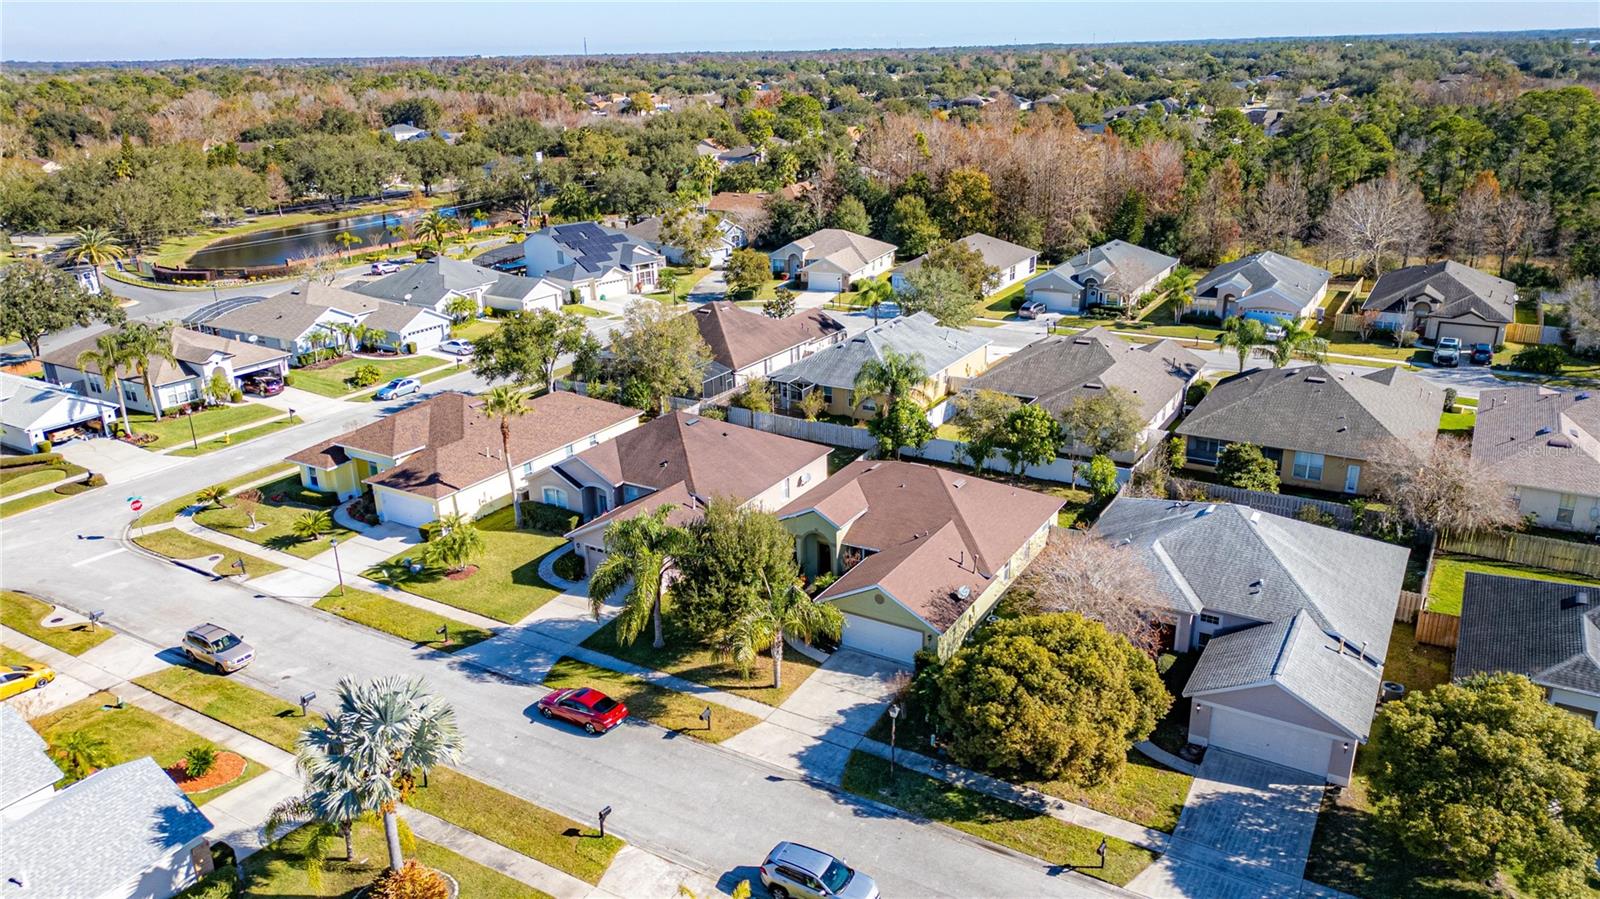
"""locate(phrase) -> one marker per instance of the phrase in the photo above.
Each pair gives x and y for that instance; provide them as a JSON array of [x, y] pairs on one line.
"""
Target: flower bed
[[228, 767]]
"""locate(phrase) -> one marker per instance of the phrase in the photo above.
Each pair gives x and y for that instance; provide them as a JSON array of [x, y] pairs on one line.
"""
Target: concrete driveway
[[118, 461]]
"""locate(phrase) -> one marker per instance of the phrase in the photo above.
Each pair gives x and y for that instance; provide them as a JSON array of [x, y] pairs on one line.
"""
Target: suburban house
[[403, 131], [922, 554], [679, 460], [1292, 631], [1011, 263], [126, 830], [437, 282], [833, 259], [591, 261], [1444, 299], [312, 316], [726, 156], [1545, 630], [1269, 287], [199, 358], [1318, 425], [748, 210], [731, 236], [34, 411], [746, 344], [443, 456], [1113, 274], [1054, 372], [1546, 444], [949, 355]]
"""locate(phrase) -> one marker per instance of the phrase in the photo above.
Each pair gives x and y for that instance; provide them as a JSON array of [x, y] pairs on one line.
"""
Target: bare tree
[[1440, 488], [1512, 220], [1469, 221], [1080, 572], [1280, 212], [1582, 302], [1382, 216]]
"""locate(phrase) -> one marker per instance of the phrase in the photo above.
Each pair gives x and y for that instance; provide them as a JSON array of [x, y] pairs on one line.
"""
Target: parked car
[[218, 647], [263, 385], [1274, 332], [596, 711], [800, 871], [1482, 354], [1031, 309], [456, 347], [16, 679], [1447, 351], [383, 268], [399, 387]]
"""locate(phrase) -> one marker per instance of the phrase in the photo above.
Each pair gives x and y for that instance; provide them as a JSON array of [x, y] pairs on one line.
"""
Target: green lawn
[[587, 311], [261, 715], [517, 824], [22, 613], [331, 381], [472, 330], [175, 544], [506, 586], [174, 429], [669, 709], [690, 660], [1457, 422], [1450, 578], [1417, 666], [35, 500], [9, 656], [27, 477], [130, 733], [276, 519], [279, 870], [238, 437], [169, 510], [404, 621], [995, 820], [998, 306]]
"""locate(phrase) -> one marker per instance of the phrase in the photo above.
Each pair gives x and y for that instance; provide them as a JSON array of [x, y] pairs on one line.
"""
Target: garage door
[[1271, 741], [1056, 300], [887, 640], [1469, 334], [823, 281], [403, 508]]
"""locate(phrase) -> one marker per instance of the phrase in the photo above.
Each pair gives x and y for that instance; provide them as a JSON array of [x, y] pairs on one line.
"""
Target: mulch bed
[[463, 574], [228, 767]]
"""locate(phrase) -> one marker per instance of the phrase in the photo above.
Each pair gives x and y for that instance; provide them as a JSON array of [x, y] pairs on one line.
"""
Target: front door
[[824, 558], [1352, 478]]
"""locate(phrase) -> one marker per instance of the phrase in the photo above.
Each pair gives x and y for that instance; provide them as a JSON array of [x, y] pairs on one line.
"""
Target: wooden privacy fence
[[1438, 629], [1520, 332], [1410, 605], [1274, 503], [1549, 553]]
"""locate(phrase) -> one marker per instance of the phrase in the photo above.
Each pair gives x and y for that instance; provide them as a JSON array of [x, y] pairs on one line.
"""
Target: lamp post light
[[894, 717], [334, 542]]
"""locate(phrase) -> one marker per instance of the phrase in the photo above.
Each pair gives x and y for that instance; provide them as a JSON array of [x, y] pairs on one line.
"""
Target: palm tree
[[893, 376], [792, 613], [874, 294], [80, 754], [108, 357], [1242, 335], [437, 228], [640, 560], [346, 240], [96, 246], [506, 402], [359, 762], [1298, 342], [1180, 286], [212, 496], [311, 525], [454, 543], [145, 344], [461, 308]]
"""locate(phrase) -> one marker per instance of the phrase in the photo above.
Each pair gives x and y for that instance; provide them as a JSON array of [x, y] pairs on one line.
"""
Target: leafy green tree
[[850, 215], [1486, 776], [911, 226], [418, 112], [693, 232], [526, 347], [96, 247], [781, 305], [1106, 421], [346, 240], [942, 293], [1241, 335], [1242, 465], [981, 417], [1031, 437], [746, 271], [797, 116], [433, 160], [787, 611], [891, 377], [966, 203], [732, 554], [505, 403], [873, 295], [787, 220], [1127, 222], [1102, 477], [1052, 696], [145, 345], [899, 425], [454, 543], [38, 299], [755, 396], [964, 261], [641, 559], [660, 354], [109, 357]]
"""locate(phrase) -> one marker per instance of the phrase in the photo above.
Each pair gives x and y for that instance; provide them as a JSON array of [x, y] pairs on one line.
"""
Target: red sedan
[[596, 711]]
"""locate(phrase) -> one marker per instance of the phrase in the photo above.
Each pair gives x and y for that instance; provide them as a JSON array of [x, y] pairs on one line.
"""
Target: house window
[[1208, 618], [1564, 508], [311, 479], [827, 396], [1202, 450], [1308, 466], [555, 496]]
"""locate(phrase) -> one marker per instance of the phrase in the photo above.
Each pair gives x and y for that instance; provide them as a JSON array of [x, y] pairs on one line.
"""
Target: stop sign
[[136, 505]]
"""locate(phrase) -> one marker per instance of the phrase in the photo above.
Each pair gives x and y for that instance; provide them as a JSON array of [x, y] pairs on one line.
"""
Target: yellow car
[[16, 679]]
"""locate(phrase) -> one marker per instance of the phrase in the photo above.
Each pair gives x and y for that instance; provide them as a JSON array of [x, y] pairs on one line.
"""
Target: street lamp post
[[894, 717], [193, 438], [334, 542]]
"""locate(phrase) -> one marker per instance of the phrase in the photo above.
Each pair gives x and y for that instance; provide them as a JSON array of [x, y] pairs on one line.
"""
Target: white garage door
[[1270, 741], [403, 508], [1056, 300], [880, 639], [1469, 334], [823, 281]]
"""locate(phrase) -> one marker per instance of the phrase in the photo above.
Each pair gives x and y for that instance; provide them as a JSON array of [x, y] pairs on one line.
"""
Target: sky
[[68, 30]]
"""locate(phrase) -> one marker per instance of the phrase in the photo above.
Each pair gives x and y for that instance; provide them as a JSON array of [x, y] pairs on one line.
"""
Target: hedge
[[33, 459], [545, 517]]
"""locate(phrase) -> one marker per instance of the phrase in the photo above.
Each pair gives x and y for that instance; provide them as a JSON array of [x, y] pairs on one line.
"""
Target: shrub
[[288, 379], [1449, 399], [95, 480], [1543, 359], [1406, 338], [1242, 465], [412, 881], [569, 567], [715, 413], [35, 459], [200, 760], [1312, 515], [237, 396], [72, 489], [223, 883], [1198, 391], [1102, 477], [365, 376], [545, 517], [1531, 278], [1177, 452], [44, 447]]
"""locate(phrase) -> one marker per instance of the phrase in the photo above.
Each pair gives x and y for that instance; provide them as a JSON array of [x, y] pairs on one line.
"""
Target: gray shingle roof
[[997, 254], [1537, 628], [28, 768], [191, 348], [1454, 290], [100, 833], [919, 335], [426, 283], [1298, 657], [1537, 437], [1299, 281], [847, 250], [283, 316], [27, 401], [1120, 266], [1320, 410], [1057, 370], [1254, 565]]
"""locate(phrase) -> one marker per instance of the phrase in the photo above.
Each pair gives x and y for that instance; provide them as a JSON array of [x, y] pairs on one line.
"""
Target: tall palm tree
[[1298, 342], [108, 357], [1242, 335], [874, 294], [145, 345], [792, 612], [346, 240], [461, 308], [640, 560], [1180, 286], [96, 246], [437, 228], [894, 376], [506, 402], [381, 733]]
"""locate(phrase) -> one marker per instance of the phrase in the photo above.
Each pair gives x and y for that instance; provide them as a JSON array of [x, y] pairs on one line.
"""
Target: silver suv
[[218, 647], [800, 871]]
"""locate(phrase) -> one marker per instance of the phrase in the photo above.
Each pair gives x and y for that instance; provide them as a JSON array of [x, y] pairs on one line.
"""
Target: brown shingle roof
[[739, 337], [713, 458]]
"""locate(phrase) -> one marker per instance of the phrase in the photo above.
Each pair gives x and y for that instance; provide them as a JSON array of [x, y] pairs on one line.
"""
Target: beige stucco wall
[[796, 483], [942, 383], [1545, 505], [1334, 471]]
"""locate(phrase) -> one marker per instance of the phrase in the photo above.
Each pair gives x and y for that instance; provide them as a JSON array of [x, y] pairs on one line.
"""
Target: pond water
[[279, 245]]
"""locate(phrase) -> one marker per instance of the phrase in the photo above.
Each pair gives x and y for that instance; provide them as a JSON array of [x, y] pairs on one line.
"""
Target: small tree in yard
[[812, 404], [981, 417], [901, 425], [212, 496], [1242, 465], [756, 396], [1102, 477], [1031, 437], [80, 754], [1098, 579], [1488, 778], [1054, 696], [460, 309], [455, 542], [199, 761], [660, 352], [311, 525], [1242, 335], [745, 272], [1438, 487], [786, 612], [781, 305], [1177, 452], [642, 559], [1582, 302], [731, 555]]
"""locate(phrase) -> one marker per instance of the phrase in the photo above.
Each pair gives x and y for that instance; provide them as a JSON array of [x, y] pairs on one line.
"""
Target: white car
[[383, 268], [456, 347], [397, 388]]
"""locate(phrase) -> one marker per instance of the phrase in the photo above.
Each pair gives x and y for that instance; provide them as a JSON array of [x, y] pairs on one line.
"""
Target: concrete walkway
[[486, 852]]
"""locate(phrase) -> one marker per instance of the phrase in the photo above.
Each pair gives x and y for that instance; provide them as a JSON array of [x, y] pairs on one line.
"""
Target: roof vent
[[1082, 341], [1541, 432], [1582, 396], [1316, 380], [1579, 600], [1559, 443], [1212, 507], [958, 483], [691, 422], [963, 591], [1257, 586]]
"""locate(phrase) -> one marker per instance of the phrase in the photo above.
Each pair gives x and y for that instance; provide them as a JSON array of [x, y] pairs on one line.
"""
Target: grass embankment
[[168, 511], [177, 545], [261, 715], [677, 712], [400, 619], [23, 614]]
